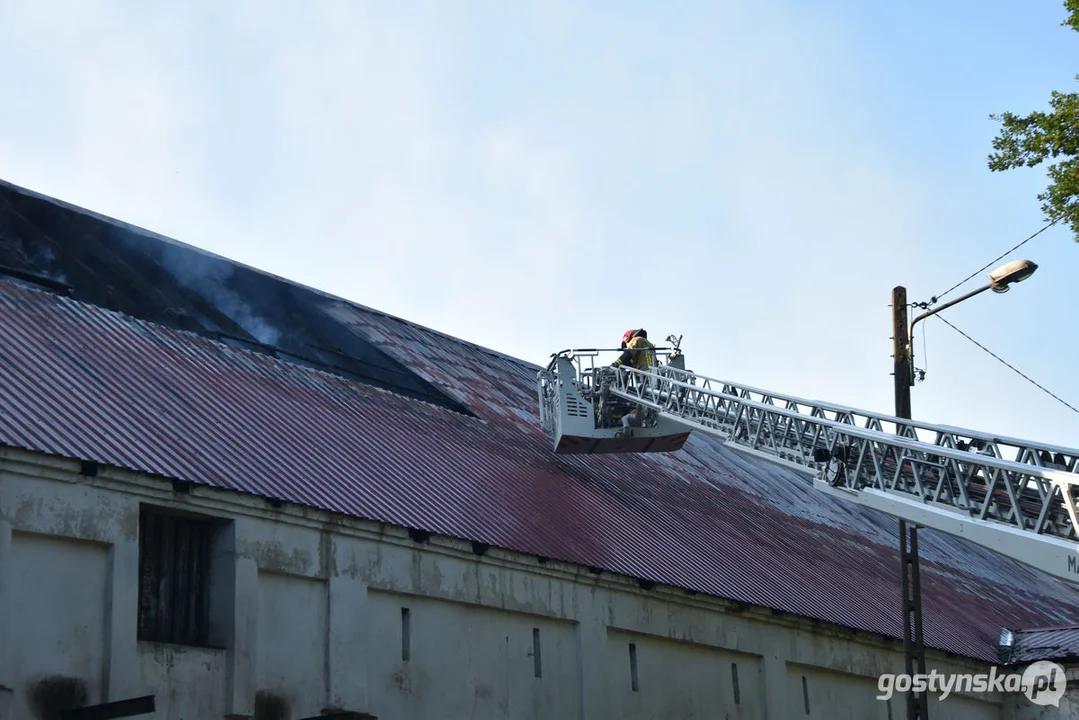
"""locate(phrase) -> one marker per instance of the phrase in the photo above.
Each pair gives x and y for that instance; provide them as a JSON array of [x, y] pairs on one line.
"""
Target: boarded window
[[174, 577]]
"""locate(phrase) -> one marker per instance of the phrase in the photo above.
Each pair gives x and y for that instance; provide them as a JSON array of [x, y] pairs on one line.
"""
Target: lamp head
[[1013, 272]]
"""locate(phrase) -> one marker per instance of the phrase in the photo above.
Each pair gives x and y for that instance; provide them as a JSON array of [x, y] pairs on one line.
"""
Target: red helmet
[[627, 336]]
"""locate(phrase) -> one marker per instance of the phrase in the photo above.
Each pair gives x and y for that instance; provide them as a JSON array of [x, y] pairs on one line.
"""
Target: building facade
[[117, 586]]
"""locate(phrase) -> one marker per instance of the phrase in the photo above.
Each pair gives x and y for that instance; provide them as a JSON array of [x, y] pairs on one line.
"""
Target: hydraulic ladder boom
[[1013, 496]]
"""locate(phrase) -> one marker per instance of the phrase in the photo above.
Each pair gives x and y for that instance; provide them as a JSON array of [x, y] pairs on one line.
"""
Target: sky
[[755, 176]]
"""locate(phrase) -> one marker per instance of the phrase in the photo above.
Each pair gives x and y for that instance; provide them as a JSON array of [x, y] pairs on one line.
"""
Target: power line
[[968, 337], [934, 300]]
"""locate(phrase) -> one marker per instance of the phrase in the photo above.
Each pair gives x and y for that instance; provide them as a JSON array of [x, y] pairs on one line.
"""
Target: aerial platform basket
[[582, 416]]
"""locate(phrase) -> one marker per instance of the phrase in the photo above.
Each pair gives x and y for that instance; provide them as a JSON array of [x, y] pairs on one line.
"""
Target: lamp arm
[[923, 316]]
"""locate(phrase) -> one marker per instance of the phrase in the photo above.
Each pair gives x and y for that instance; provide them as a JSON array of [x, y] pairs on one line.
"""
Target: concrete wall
[[58, 595], [312, 611], [1018, 708]]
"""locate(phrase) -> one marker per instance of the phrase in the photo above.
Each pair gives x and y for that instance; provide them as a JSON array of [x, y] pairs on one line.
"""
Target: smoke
[[243, 315], [215, 280], [43, 259]]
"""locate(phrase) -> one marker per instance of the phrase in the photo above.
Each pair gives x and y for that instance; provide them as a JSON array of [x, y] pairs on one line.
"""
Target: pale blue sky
[[755, 176]]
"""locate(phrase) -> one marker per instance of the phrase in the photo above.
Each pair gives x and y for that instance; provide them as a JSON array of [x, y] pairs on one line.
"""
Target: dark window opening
[[406, 635], [805, 692], [175, 571], [633, 666], [734, 681], [537, 665]]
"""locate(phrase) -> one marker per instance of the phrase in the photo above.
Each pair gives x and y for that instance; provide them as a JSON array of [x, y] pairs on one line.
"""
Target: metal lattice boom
[[917, 471]]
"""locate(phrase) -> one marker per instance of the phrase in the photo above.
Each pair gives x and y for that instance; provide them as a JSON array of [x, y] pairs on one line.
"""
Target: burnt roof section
[[107, 263], [1057, 644]]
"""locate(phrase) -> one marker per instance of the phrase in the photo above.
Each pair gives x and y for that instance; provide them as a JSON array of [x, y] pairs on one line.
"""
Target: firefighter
[[639, 353]]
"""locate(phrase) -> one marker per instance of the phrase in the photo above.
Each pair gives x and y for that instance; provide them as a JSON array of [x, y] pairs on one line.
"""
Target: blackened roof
[[116, 266], [1057, 644]]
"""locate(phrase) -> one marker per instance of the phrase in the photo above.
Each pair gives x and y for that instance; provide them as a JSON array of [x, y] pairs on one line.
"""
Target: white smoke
[[213, 279]]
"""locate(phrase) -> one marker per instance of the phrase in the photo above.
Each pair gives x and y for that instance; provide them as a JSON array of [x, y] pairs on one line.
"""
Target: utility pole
[[901, 353], [917, 703]]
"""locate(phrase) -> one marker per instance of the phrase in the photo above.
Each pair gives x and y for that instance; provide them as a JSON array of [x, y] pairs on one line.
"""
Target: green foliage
[[1072, 6], [1027, 141]]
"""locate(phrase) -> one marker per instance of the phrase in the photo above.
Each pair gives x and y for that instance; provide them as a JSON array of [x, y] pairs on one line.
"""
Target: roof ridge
[[1049, 628]]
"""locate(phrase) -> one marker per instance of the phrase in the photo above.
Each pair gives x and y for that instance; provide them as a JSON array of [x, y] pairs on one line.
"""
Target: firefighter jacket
[[639, 353]]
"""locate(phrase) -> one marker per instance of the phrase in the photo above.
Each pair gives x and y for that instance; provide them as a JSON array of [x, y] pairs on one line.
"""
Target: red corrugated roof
[[83, 382]]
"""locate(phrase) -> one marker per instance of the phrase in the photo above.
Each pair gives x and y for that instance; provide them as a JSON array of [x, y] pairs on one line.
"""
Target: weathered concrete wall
[[1018, 708], [292, 637], [312, 611], [189, 682], [496, 672], [58, 598], [680, 679]]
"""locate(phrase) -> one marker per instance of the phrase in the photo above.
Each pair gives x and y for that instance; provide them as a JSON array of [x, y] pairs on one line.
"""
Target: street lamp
[[1000, 281]]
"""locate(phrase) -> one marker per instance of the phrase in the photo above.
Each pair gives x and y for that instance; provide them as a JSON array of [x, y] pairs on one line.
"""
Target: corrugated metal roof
[[85, 382], [1058, 644]]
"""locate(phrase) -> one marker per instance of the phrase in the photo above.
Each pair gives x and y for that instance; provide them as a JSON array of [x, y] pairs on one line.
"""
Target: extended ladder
[[1014, 496]]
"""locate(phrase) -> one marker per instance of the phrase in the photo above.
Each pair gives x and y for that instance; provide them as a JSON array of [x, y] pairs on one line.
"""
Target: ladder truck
[[1015, 497]]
